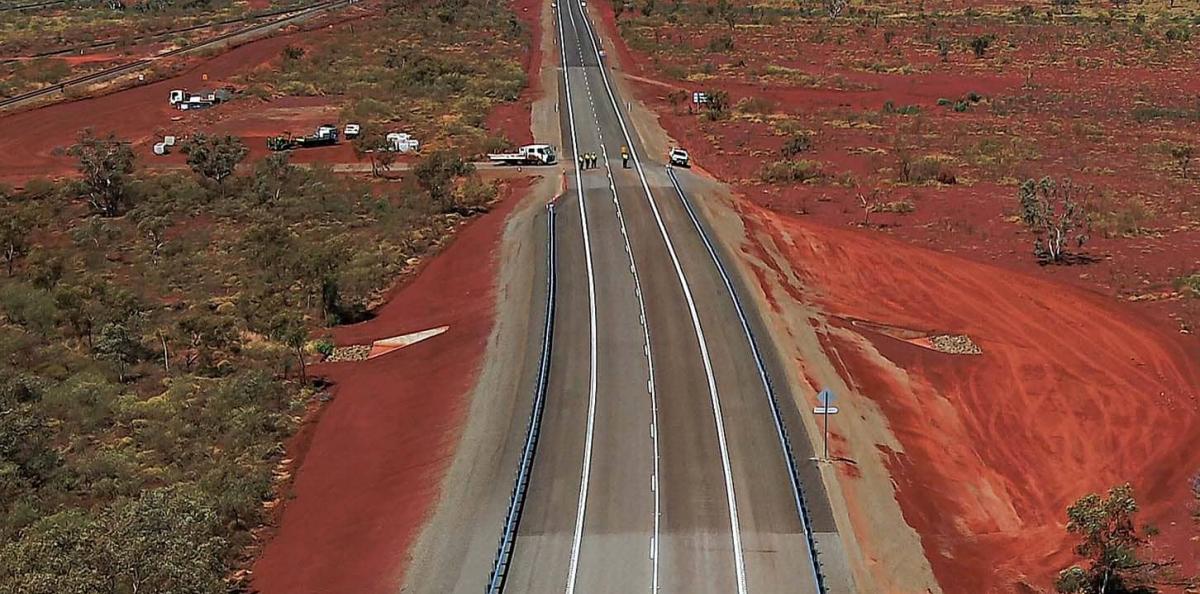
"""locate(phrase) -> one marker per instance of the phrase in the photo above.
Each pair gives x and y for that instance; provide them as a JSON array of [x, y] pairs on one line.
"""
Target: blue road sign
[[825, 397]]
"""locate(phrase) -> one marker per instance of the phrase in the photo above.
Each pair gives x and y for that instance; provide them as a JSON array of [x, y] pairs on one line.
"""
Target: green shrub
[[980, 44], [324, 346], [788, 171], [1189, 285], [890, 107], [755, 105], [721, 44], [1179, 34], [926, 169], [800, 142]]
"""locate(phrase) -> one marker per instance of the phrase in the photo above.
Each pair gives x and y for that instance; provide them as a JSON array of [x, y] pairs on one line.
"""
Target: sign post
[[826, 409]]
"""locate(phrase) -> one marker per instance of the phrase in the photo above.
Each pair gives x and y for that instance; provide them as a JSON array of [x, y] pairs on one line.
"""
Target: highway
[[660, 465]]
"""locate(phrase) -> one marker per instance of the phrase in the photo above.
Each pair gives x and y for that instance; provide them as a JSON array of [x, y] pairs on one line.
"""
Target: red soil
[[1072, 394], [138, 114], [1072, 117], [373, 468]]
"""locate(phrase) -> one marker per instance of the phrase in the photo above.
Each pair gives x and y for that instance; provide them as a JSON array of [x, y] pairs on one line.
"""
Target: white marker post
[[826, 409]]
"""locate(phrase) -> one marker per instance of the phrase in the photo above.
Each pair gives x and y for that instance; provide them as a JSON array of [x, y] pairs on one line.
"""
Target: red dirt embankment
[[373, 467], [1072, 394]]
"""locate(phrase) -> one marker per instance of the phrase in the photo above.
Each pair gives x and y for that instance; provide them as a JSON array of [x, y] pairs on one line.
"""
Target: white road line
[[653, 552], [637, 289], [739, 563], [814, 565], [587, 248]]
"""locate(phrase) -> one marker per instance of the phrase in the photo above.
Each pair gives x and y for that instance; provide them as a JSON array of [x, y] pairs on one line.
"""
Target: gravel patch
[[955, 344]]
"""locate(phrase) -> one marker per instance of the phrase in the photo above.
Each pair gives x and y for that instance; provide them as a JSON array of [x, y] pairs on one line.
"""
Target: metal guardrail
[[516, 502], [780, 426]]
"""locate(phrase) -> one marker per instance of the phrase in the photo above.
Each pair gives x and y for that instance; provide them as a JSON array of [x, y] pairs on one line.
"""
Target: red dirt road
[[1072, 394], [373, 467]]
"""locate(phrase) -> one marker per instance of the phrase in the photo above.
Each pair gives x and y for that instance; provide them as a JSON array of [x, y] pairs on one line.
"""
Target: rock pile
[[955, 344], [356, 352]]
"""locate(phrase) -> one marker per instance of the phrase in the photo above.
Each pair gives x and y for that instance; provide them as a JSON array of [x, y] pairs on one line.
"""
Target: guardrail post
[[516, 503]]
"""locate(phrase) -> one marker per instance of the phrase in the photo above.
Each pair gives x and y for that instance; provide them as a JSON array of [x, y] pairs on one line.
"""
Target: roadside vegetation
[[1114, 548], [27, 35], [446, 65], [153, 336], [950, 108]]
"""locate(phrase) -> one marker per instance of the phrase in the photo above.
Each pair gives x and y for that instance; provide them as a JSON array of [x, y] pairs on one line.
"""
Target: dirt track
[[135, 114], [1072, 393]]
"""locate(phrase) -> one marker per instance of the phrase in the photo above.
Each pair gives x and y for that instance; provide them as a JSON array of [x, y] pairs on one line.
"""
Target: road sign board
[[825, 397], [699, 98], [823, 410]]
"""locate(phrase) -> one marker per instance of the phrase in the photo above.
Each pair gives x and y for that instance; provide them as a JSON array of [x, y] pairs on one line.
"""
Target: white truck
[[530, 154], [184, 100]]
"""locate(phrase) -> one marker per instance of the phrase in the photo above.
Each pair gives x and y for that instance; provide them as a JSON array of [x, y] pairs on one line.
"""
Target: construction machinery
[[325, 135], [184, 100]]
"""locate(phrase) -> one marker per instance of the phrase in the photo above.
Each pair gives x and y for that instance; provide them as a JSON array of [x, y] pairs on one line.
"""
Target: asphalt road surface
[[659, 466]]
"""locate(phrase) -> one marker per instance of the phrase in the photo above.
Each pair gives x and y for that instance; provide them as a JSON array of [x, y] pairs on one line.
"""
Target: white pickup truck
[[530, 154]]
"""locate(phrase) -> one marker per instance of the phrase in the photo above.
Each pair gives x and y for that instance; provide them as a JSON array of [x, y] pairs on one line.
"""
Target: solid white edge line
[[739, 562], [762, 374], [587, 247], [637, 283]]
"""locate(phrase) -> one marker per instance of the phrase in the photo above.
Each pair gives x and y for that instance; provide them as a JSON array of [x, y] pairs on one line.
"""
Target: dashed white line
[[739, 563], [587, 248], [653, 552]]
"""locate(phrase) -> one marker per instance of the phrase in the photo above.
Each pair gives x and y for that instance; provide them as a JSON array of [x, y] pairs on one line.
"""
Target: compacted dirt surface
[[1078, 378], [1071, 393], [34, 140], [392, 464]]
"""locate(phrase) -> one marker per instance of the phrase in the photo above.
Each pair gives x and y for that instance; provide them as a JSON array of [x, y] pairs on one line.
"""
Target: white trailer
[[184, 100], [402, 142], [530, 154]]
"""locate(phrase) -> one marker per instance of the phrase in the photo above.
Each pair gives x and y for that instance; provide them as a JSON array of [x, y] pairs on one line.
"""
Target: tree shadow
[[1069, 260]]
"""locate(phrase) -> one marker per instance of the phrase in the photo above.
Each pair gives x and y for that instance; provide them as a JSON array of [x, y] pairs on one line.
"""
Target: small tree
[[798, 143], [1055, 213], [1109, 540], [214, 157], [835, 7], [117, 343], [1066, 6], [375, 146], [980, 45], [436, 174], [1183, 153], [14, 239], [288, 328], [677, 98], [106, 164], [717, 105]]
